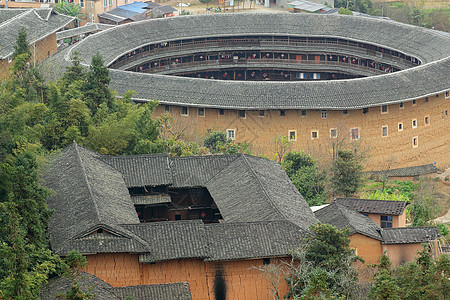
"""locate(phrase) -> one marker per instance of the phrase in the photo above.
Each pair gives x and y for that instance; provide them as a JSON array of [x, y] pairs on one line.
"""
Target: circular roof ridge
[[429, 78]]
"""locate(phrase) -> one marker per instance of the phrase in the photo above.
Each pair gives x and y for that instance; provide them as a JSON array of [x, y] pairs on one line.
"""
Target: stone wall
[[411, 145]]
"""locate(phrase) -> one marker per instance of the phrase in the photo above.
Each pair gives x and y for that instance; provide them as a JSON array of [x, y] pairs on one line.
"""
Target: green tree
[[385, 286], [302, 169], [345, 11], [346, 173], [96, 89], [70, 9], [323, 266], [21, 46], [424, 203], [425, 278], [213, 139]]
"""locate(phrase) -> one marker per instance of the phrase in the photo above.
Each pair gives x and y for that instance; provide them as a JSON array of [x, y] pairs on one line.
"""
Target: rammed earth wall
[[395, 150], [236, 280]]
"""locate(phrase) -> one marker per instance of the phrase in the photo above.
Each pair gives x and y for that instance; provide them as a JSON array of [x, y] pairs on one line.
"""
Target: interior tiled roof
[[142, 170], [369, 206], [88, 28]]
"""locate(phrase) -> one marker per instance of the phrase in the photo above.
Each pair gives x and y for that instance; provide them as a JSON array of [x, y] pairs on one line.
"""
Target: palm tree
[[70, 9]]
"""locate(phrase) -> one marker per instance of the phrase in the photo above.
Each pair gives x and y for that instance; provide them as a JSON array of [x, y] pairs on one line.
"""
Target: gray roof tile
[[369, 206], [342, 217], [88, 28], [104, 291], [430, 78], [38, 22], [141, 170], [407, 172], [410, 235], [169, 291]]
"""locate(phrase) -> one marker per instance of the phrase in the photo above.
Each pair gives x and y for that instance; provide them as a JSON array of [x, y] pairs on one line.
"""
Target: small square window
[[414, 123], [401, 105], [167, 108], [384, 109], [177, 217], [231, 134], [184, 111], [365, 110], [221, 112], [414, 102], [427, 120], [415, 142], [292, 135], [345, 112], [384, 131], [323, 114], [400, 126], [241, 113], [282, 113], [201, 111], [354, 134], [426, 99], [386, 221], [447, 94], [314, 134], [303, 112], [333, 133], [262, 113], [437, 95]]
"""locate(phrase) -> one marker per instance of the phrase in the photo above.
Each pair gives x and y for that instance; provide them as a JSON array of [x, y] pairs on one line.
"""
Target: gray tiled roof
[[166, 9], [342, 217], [231, 241], [169, 291], [410, 235], [430, 78], [172, 239], [91, 194], [96, 191], [59, 285], [150, 199], [369, 206], [408, 171], [38, 22], [195, 171], [141, 170], [88, 28], [218, 241], [104, 291], [256, 189]]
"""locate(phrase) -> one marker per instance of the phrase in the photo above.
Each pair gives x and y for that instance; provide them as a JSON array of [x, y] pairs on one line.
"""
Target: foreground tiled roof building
[[199, 223], [217, 217]]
